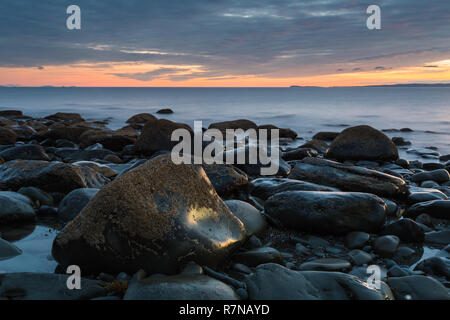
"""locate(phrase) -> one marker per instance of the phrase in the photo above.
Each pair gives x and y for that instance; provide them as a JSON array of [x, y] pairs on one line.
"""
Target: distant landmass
[[405, 85]]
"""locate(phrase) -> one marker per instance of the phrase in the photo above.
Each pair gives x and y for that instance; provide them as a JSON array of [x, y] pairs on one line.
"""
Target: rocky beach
[[75, 192]]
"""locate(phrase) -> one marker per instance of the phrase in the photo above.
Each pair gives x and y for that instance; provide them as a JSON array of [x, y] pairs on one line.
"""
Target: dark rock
[[251, 217], [266, 187], [142, 118], [15, 207], [430, 166], [399, 141], [11, 113], [156, 136], [74, 202], [8, 250], [349, 178], [435, 208], [48, 176], [396, 271], [444, 158], [359, 257], [25, 152], [386, 246], [112, 140], [234, 125], [255, 257], [356, 239], [113, 158], [296, 154], [274, 282], [362, 143], [65, 117], [438, 266], [37, 194], [326, 212], [406, 229], [326, 136], [226, 179], [165, 111], [104, 170], [440, 175], [425, 195], [282, 132], [438, 237], [74, 154], [403, 163], [166, 214], [318, 145], [7, 136], [45, 286], [418, 288], [326, 264]]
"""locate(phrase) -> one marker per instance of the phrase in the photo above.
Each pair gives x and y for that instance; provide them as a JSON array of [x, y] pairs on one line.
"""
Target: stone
[[253, 220], [430, 166], [444, 158], [349, 178], [226, 179], [438, 266], [48, 176], [282, 132], [255, 257], [166, 216], [400, 141], [396, 271], [362, 143], [103, 169], [46, 286], [141, 118], [25, 152], [326, 212], [424, 196], [436, 208], [74, 202], [417, 287], [438, 237], [386, 246], [7, 136], [326, 136], [359, 257], [406, 229], [38, 195], [15, 207], [296, 154], [180, 287], [74, 154], [439, 176], [65, 117], [318, 145], [234, 125], [112, 140], [156, 136], [264, 188], [356, 239], [274, 282], [165, 111], [326, 264], [8, 250]]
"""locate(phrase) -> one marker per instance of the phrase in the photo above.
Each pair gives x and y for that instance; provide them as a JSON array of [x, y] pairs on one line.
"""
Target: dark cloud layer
[[225, 38]]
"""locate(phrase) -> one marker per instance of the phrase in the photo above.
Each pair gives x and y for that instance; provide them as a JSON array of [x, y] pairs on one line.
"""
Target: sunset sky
[[226, 43]]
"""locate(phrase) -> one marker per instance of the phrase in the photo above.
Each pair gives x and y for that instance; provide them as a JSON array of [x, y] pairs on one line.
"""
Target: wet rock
[[226, 179], [37, 195], [15, 207], [399, 141], [45, 286], [356, 239], [406, 229], [282, 132], [11, 113], [362, 143], [234, 125], [112, 140], [180, 287], [430, 166], [424, 196], [397, 271], [142, 118], [66, 131], [7, 136], [444, 158], [104, 170], [113, 158], [326, 264], [274, 282], [326, 212], [251, 217], [65, 117], [74, 154], [318, 145], [165, 111], [349, 178], [296, 154], [359, 257], [255, 257], [48, 176], [8, 250], [417, 288], [74, 202], [156, 136], [438, 266], [438, 237], [23, 131], [326, 136], [435, 208], [406, 255], [264, 188], [386, 246], [439, 176], [25, 152], [166, 214]]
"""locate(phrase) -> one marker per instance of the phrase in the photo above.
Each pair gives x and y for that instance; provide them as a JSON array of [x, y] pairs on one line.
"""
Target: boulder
[[326, 212], [435, 208], [282, 132], [141, 118], [417, 288], [165, 111], [326, 264], [274, 282], [37, 195], [156, 136], [255, 257], [362, 143], [48, 176], [8, 250], [65, 117], [166, 215], [253, 220], [15, 207], [234, 125], [112, 140], [226, 179], [438, 266], [406, 229], [74, 202], [349, 178], [326, 136], [439, 176], [7, 136], [386, 246], [25, 152]]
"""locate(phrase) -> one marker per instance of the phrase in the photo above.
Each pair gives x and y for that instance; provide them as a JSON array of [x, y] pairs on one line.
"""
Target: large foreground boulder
[[274, 282], [48, 176], [349, 178], [362, 143], [326, 212], [154, 217]]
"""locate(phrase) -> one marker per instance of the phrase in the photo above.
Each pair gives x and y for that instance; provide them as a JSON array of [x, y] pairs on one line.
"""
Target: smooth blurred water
[[306, 110]]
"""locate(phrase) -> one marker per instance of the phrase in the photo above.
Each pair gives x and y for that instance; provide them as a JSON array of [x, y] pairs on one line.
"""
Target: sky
[[223, 43]]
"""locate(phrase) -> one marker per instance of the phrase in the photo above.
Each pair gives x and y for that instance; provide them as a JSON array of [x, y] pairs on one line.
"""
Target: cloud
[[150, 75]]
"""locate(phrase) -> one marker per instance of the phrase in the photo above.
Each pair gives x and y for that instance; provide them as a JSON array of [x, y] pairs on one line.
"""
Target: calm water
[[306, 110]]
